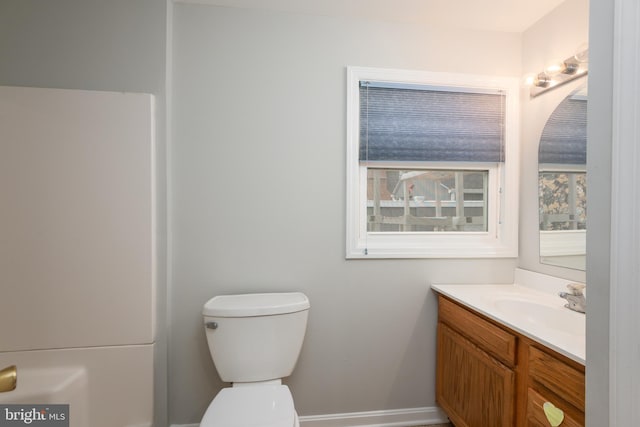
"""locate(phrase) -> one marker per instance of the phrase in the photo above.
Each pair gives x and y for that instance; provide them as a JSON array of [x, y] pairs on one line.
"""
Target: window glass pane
[[563, 200], [401, 200]]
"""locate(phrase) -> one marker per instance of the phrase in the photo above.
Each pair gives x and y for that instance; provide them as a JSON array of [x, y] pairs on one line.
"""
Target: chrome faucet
[[576, 299]]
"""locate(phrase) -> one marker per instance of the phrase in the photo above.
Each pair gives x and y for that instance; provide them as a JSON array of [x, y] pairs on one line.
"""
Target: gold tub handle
[[8, 378]]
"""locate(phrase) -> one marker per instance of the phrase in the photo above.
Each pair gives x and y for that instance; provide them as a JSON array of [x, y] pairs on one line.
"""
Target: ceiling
[[492, 15]]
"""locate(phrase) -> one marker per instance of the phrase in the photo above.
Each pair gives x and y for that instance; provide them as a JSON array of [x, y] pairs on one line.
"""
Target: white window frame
[[501, 239]]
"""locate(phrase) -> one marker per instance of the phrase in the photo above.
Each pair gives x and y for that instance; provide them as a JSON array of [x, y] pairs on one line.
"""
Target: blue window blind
[[564, 138], [400, 122]]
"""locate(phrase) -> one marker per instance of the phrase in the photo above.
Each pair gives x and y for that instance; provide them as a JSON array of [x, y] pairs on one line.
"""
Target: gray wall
[[372, 328], [115, 45], [83, 44], [259, 119], [599, 130]]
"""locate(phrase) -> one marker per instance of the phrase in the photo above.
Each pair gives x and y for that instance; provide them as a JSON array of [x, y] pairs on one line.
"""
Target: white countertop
[[533, 312]]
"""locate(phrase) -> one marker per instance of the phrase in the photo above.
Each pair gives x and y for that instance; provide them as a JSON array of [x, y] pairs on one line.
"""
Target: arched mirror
[[562, 184]]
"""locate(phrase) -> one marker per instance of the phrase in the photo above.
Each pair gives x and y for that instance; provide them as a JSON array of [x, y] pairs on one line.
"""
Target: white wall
[[553, 38], [259, 122]]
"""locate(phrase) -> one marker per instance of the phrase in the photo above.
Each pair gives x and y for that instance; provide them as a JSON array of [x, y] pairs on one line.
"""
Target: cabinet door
[[474, 389]]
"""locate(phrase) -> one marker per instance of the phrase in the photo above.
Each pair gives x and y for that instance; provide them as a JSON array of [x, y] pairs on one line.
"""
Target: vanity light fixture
[[570, 69]]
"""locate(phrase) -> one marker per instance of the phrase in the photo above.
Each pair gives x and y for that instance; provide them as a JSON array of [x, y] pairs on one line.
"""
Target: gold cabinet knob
[[8, 378]]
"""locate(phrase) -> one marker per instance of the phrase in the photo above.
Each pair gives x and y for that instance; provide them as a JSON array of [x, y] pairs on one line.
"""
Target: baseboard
[[391, 418]]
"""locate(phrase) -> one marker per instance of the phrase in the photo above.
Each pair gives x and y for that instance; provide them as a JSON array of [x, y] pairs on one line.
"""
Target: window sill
[[460, 245]]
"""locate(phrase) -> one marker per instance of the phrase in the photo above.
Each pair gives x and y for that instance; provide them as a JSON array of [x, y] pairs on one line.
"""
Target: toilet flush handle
[[211, 325]]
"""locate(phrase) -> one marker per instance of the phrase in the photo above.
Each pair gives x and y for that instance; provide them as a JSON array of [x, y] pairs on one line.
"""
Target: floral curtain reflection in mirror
[[562, 185]]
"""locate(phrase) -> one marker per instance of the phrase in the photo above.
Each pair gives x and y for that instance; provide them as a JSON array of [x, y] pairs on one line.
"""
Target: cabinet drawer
[[492, 339], [536, 416], [557, 376]]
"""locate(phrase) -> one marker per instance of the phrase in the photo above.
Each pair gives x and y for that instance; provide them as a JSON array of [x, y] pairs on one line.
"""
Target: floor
[[439, 425]]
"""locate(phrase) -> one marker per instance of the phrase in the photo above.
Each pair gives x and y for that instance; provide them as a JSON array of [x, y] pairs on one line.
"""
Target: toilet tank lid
[[250, 305]]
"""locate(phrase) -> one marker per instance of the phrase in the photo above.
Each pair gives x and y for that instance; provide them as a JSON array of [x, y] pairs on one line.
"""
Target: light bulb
[[570, 68], [554, 68], [528, 79], [542, 80]]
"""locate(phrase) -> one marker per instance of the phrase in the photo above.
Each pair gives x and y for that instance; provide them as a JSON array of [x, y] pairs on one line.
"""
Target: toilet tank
[[256, 337]]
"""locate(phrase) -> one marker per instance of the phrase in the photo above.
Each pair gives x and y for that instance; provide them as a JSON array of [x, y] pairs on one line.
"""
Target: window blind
[[564, 138], [406, 123]]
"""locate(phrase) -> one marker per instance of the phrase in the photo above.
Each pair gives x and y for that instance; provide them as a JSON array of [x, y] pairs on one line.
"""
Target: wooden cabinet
[[489, 375], [535, 416], [474, 388], [497, 342], [560, 382]]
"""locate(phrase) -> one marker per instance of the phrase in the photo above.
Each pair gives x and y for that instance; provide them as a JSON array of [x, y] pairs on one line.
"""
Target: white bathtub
[[63, 385], [104, 386]]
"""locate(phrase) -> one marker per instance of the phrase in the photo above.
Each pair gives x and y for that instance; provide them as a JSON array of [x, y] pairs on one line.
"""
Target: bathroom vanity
[[506, 350]]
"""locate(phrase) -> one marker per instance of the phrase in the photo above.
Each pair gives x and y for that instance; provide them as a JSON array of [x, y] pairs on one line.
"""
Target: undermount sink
[[540, 314]]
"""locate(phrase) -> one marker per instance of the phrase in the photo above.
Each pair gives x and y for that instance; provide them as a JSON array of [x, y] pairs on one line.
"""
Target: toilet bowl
[[252, 406], [255, 341]]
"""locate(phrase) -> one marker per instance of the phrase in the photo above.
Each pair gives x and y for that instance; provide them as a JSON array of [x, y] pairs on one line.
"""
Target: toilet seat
[[251, 406]]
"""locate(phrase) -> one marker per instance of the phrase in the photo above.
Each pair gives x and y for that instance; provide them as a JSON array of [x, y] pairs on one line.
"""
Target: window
[[431, 165], [563, 200]]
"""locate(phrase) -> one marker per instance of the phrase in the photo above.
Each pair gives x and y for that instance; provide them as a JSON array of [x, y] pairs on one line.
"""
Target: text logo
[[34, 415]]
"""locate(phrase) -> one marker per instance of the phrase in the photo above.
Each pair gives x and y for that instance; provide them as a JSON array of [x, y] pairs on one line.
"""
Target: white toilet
[[254, 340]]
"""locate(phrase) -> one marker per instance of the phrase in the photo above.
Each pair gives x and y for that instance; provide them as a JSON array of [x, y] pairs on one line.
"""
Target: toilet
[[255, 341]]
